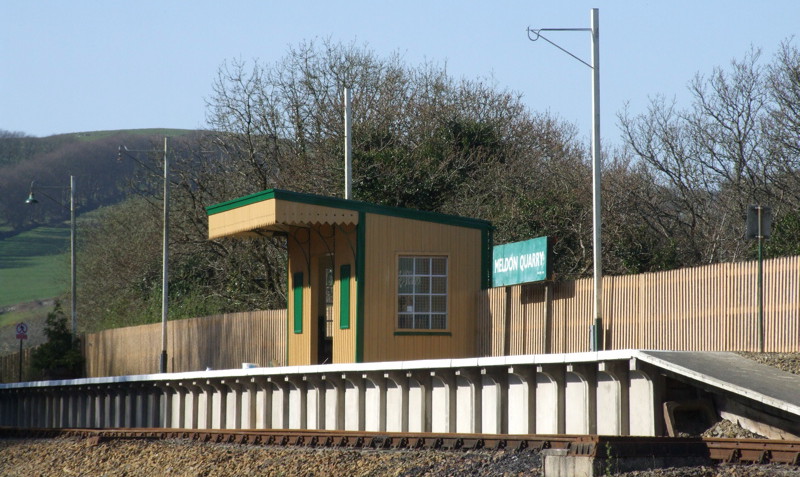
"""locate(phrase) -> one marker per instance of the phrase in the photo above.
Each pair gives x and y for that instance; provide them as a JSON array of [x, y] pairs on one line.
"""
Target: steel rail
[[751, 451]]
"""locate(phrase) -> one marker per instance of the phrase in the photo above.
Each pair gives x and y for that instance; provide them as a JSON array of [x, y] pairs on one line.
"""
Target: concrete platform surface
[[732, 373]]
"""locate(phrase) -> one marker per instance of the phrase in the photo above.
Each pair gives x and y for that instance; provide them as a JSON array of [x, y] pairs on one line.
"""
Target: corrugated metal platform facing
[[623, 392]]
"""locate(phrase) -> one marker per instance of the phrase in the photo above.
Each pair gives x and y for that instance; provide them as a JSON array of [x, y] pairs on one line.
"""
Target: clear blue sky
[[81, 65]]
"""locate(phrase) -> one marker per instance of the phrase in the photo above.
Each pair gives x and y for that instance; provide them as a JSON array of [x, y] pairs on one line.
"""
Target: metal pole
[[597, 342], [20, 361], [165, 263], [73, 293], [348, 153], [760, 283]]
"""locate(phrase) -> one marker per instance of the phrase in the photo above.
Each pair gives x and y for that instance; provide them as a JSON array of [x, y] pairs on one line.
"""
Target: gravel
[[139, 457], [71, 456], [723, 470], [789, 362]]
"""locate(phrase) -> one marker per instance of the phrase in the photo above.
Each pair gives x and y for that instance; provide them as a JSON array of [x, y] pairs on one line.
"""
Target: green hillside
[[34, 265], [34, 262]]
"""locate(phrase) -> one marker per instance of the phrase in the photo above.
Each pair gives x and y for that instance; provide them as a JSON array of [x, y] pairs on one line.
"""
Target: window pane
[[439, 266], [406, 266], [439, 285], [405, 284], [405, 321], [422, 266], [438, 322], [439, 304], [405, 303], [422, 292], [422, 322], [422, 304]]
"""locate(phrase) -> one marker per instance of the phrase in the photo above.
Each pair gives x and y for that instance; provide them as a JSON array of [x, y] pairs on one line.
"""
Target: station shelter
[[368, 282]]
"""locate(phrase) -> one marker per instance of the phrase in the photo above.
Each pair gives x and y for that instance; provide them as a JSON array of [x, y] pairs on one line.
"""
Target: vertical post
[[597, 335], [760, 282], [20, 361], [165, 266], [73, 294], [348, 143]]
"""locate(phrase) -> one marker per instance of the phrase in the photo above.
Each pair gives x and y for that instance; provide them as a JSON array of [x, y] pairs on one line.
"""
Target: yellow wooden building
[[369, 282]]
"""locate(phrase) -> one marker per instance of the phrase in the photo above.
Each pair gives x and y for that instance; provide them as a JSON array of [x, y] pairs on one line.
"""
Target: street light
[[165, 255], [597, 328], [31, 200]]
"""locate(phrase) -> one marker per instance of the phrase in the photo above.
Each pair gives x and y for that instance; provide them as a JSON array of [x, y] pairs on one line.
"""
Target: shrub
[[60, 357]]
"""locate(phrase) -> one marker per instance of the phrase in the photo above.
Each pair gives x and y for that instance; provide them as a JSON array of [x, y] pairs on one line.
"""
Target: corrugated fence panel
[[703, 308], [517, 329], [742, 311], [491, 322], [781, 292], [535, 306], [122, 351], [217, 342], [621, 311]]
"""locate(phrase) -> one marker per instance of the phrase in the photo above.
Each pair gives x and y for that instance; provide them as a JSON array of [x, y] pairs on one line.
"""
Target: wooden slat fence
[[710, 308], [9, 367], [216, 342]]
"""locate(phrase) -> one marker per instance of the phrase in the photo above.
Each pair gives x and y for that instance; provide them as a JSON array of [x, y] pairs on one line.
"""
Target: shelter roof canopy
[[276, 210], [269, 212]]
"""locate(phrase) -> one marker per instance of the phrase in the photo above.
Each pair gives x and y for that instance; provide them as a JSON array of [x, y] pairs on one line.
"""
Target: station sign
[[521, 262]]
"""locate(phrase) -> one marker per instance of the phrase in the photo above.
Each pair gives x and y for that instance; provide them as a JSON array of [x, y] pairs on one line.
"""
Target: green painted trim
[[241, 202], [423, 333], [349, 205], [344, 297], [361, 240], [297, 301], [487, 244], [288, 294]]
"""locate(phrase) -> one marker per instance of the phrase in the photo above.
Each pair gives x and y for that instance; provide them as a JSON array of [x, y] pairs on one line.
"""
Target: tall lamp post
[[73, 295], [165, 253], [596, 342]]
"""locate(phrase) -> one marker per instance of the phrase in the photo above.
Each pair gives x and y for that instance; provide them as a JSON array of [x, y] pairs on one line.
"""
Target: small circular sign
[[22, 328]]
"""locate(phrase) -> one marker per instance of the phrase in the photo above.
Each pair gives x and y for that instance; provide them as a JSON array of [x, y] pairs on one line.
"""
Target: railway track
[[750, 451]]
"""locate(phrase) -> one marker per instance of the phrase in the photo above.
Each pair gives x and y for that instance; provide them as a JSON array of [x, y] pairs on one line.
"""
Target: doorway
[[325, 307]]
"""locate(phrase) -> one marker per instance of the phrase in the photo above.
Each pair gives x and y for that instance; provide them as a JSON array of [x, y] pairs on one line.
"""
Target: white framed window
[[422, 292]]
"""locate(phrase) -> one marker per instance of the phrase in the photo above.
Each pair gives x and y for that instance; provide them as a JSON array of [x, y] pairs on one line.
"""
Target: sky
[[86, 65]]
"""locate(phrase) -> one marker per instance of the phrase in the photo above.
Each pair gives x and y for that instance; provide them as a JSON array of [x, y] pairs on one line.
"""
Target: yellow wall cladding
[[307, 248], [387, 238]]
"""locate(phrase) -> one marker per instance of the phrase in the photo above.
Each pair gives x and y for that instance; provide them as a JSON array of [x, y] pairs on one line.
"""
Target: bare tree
[[707, 163]]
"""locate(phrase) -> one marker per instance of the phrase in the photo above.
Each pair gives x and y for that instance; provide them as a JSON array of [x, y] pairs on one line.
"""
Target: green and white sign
[[521, 262]]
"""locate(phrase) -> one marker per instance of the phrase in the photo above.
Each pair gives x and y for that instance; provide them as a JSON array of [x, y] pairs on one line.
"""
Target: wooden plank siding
[[709, 308], [386, 239], [217, 342]]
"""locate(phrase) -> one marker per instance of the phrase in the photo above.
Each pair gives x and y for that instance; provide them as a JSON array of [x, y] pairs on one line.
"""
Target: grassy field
[[34, 265]]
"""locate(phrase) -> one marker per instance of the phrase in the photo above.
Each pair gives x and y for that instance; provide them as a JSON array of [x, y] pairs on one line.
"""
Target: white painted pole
[[597, 343], [165, 266], [348, 152]]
